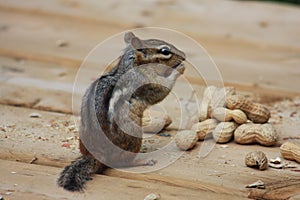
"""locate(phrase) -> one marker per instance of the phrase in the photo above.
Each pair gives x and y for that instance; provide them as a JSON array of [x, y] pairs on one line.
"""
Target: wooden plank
[[24, 40], [262, 23], [282, 189], [49, 86], [20, 180], [254, 58], [25, 138], [238, 61], [39, 85], [37, 137]]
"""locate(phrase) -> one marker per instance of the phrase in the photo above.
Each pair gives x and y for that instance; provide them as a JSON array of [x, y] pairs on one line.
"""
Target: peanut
[[256, 112], [224, 132], [203, 129], [218, 98], [290, 151], [154, 121], [264, 134], [207, 97], [225, 115], [186, 139], [256, 159], [213, 97]]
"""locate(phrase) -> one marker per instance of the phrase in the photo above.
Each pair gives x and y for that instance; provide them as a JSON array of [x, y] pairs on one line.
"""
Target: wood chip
[[71, 127], [61, 43], [33, 160], [67, 145], [224, 146], [35, 115], [2, 129]]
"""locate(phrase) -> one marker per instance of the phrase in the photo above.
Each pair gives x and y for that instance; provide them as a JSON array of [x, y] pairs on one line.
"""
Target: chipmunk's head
[[159, 65], [155, 51]]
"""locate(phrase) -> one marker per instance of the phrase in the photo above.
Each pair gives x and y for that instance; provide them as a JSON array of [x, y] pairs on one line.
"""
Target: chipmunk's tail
[[74, 176]]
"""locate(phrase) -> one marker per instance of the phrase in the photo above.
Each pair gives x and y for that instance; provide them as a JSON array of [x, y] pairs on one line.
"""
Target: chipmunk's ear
[[128, 36], [132, 40]]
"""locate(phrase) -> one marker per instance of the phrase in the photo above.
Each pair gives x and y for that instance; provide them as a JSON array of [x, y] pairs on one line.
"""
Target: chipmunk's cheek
[[168, 72]]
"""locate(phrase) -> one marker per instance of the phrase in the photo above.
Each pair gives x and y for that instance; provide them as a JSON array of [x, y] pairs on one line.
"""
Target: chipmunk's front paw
[[145, 162], [151, 162]]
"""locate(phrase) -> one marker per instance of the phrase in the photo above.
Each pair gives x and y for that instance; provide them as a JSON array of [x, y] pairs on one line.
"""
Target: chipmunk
[[113, 105]]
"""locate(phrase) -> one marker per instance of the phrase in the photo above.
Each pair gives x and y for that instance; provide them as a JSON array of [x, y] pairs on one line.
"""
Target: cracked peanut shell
[[256, 159]]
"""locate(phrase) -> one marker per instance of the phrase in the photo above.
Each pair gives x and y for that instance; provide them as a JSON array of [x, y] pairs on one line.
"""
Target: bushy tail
[[74, 176]]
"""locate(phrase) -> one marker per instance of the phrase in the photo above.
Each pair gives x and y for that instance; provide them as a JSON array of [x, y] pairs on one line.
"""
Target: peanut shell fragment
[[258, 184], [152, 196]]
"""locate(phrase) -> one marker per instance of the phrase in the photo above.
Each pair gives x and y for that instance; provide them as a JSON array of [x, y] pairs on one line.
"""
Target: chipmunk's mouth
[[180, 68]]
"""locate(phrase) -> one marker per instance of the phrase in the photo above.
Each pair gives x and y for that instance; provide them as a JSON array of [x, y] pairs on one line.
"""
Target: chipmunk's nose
[[183, 56]]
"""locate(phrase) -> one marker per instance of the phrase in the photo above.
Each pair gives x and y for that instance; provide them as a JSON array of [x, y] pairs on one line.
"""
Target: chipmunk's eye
[[165, 51]]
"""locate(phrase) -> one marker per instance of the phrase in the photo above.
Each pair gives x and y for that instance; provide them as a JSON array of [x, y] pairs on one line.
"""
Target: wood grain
[[20, 180]]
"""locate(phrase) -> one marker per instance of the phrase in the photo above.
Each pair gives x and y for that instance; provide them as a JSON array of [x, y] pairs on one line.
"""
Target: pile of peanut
[[226, 115]]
